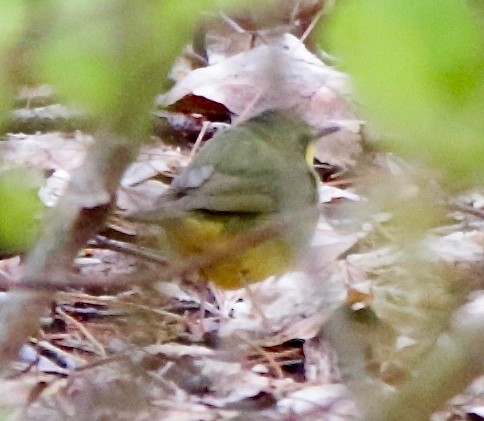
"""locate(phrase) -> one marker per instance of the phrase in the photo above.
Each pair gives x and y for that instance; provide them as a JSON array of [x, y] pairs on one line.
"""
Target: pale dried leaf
[[330, 243], [284, 301], [11, 268], [54, 187], [47, 151], [229, 382], [153, 161], [455, 247], [317, 397], [141, 196], [178, 350], [282, 74]]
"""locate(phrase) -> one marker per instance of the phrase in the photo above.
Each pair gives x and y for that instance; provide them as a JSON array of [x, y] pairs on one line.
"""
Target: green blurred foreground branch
[[455, 361], [417, 69], [109, 58]]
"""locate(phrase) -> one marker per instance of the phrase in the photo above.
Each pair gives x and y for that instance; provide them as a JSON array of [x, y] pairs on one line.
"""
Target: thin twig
[[266, 355], [83, 330], [128, 248], [311, 26], [468, 209], [48, 346], [117, 304], [196, 146], [267, 230]]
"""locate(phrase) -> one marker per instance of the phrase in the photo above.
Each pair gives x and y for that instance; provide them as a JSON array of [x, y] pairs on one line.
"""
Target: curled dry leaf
[[138, 190], [282, 74], [140, 196], [153, 161], [330, 193], [278, 73]]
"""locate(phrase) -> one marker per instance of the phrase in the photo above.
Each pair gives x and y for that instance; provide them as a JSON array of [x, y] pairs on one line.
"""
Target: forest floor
[[181, 349]]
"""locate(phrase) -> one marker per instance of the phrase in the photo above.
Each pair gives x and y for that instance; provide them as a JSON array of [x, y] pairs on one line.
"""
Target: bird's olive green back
[[252, 173], [256, 167]]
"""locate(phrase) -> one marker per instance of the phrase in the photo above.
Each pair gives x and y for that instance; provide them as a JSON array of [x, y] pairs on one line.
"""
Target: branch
[[80, 213], [165, 271]]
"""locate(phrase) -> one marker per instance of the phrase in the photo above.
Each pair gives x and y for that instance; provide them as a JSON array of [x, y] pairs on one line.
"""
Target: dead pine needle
[[69, 319], [273, 364]]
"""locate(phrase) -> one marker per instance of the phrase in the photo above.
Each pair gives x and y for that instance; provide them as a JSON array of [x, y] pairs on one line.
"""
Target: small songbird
[[240, 178]]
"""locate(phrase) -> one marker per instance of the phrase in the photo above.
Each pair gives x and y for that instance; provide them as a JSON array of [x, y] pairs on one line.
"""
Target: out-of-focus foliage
[[417, 67], [11, 20], [112, 69], [110, 58], [11, 15], [20, 209]]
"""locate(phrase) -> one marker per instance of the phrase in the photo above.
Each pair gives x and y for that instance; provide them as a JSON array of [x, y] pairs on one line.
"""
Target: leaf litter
[[177, 350]]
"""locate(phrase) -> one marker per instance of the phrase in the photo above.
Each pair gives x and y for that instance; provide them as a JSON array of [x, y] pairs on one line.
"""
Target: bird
[[243, 177]]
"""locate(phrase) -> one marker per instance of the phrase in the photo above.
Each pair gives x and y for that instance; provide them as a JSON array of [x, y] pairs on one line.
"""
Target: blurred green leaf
[[11, 23], [112, 57], [20, 210], [417, 67], [80, 58]]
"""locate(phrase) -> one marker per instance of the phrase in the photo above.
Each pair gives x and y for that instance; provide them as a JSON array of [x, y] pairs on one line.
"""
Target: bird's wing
[[222, 192], [237, 171], [233, 174]]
